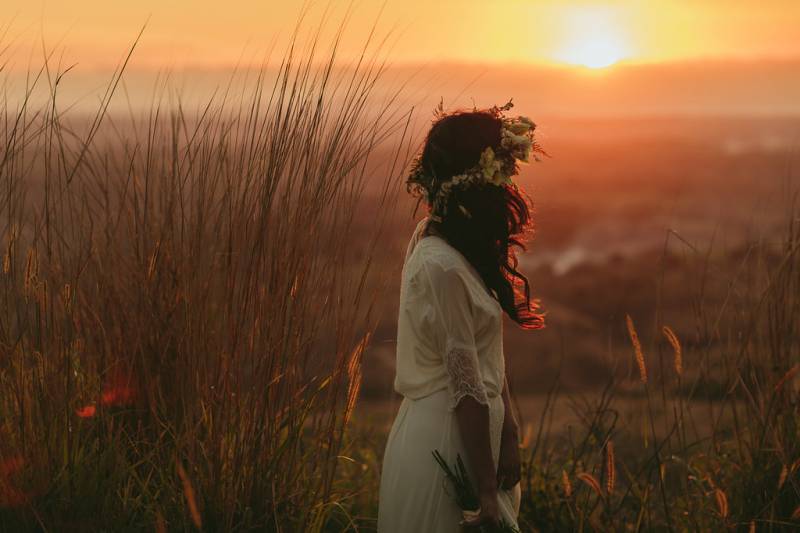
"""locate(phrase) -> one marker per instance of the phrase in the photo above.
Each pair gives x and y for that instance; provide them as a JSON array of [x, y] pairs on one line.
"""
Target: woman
[[459, 276]]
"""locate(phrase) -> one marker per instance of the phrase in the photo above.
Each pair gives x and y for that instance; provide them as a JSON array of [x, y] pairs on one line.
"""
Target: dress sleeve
[[453, 306]]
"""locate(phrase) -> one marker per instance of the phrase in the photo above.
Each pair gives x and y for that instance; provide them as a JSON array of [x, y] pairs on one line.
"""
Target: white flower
[[526, 120], [519, 127], [519, 145], [489, 165], [523, 153], [499, 178]]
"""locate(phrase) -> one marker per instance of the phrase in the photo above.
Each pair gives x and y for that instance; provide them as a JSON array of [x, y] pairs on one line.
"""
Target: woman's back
[[434, 322]]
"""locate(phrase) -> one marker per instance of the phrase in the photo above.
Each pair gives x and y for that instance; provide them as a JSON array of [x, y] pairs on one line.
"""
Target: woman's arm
[[473, 424], [510, 424], [508, 468], [453, 305]]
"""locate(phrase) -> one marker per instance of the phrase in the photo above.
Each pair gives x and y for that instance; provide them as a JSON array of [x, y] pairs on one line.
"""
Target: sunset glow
[[655, 56], [593, 33], [593, 37]]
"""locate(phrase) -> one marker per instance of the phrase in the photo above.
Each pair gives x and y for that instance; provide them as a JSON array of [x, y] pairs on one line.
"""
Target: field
[[198, 315]]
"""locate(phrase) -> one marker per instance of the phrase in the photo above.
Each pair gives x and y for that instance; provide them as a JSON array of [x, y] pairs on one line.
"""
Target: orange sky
[[214, 33], [664, 56]]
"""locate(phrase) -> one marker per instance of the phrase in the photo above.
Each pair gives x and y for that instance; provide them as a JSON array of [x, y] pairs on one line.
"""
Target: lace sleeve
[[464, 376]]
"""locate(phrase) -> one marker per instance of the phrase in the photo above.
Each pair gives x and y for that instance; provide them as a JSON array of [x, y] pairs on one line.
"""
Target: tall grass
[[184, 309], [697, 430], [714, 444]]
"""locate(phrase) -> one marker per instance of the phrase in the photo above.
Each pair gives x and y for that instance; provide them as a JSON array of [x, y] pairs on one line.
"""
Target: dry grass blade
[[788, 376], [782, 478], [527, 435], [12, 236], [592, 482], [161, 525], [722, 502], [676, 349], [188, 492]]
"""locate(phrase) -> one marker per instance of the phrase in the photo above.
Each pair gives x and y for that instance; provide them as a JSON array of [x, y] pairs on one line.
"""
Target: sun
[[592, 37], [594, 53]]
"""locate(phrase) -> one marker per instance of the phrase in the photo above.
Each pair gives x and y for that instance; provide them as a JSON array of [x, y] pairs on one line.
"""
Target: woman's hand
[[489, 516], [509, 470]]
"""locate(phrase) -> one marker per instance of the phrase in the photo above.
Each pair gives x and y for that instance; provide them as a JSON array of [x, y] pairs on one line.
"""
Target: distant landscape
[[624, 206]]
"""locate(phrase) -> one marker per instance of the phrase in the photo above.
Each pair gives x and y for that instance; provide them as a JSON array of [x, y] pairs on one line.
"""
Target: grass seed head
[[566, 483], [31, 269], [611, 472], [354, 375], [66, 295], [637, 348]]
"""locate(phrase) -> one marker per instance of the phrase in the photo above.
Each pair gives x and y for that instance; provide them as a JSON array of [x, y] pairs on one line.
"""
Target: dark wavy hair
[[497, 218]]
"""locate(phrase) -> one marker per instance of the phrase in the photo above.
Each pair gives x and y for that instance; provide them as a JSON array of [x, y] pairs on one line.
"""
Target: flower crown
[[496, 165]]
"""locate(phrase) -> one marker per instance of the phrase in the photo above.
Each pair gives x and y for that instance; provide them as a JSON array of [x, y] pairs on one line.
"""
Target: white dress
[[449, 345]]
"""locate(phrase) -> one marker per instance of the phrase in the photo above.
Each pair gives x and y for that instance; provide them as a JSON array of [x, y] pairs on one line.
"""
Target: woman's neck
[[431, 228]]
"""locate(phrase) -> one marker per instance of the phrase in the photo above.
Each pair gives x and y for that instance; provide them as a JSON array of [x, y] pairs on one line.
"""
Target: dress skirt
[[415, 496]]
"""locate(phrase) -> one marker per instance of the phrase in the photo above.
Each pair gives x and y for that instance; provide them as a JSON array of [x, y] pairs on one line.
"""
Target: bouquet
[[466, 496]]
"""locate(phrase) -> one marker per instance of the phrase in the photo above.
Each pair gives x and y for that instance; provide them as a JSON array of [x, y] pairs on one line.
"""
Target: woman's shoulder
[[437, 266], [433, 252], [445, 266]]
